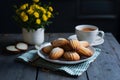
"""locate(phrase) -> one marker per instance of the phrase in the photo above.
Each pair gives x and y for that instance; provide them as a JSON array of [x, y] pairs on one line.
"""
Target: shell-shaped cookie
[[71, 56], [74, 44], [59, 42], [67, 47], [84, 51], [47, 49], [84, 43], [56, 53]]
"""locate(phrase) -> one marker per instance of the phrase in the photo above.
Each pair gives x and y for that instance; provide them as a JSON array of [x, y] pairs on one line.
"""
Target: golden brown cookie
[[84, 51], [84, 43], [47, 49], [67, 47], [56, 53], [71, 56], [74, 44], [59, 42]]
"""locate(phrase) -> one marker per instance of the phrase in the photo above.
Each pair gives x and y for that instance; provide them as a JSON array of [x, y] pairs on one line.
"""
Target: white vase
[[33, 37]]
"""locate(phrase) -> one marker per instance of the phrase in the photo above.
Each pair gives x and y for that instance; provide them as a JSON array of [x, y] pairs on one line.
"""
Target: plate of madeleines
[[64, 51]]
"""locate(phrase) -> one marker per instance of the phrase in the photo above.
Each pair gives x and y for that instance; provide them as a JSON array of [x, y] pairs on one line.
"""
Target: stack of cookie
[[71, 50]]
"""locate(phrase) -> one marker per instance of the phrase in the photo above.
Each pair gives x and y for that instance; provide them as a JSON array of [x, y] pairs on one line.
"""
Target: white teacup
[[88, 33]]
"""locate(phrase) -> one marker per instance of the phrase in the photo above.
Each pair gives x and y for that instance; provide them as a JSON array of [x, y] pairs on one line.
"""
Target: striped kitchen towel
[[32, 58]]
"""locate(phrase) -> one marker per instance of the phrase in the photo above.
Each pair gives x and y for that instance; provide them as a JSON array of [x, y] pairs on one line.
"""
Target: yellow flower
[[43, 10], [24, 6], [38, 21], [25, 18], [37, 6], [49, 14], [50, 9], [44, 17], [36, 14], [22, 14], [32, 6], [30, 11], [35, 1]]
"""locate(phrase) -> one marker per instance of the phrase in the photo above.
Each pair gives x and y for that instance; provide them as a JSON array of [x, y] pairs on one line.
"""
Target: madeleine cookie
[[84, 51], [71, 56], [56, 53], [74, 44], [84, 43], [67, 47], [59, 42], [47, 49]]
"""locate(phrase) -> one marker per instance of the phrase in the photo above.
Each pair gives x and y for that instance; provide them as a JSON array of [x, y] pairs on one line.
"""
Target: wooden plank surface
[[106, 66], [9, 68], [114, 45]]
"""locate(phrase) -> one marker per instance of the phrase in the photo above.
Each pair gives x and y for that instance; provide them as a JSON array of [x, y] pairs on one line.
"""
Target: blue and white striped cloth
[[32, 58]]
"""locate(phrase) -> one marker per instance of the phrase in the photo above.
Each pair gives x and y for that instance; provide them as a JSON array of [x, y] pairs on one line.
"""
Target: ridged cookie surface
[[47, 49], [71, 56], [84, 51], [60, 42], [74, 44], [56, 53]]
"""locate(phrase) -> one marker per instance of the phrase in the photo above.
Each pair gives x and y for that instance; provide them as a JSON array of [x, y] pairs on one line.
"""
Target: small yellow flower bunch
[[33, 15]]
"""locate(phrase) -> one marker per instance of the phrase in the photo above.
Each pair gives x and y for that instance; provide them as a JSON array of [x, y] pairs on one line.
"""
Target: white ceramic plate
[[97, 41], [61, 61]]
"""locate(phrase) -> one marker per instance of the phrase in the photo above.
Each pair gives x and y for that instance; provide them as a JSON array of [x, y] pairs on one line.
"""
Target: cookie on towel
[[84, 51]]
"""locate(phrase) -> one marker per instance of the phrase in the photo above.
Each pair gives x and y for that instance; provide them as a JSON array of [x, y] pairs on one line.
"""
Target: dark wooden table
[[105, 67]]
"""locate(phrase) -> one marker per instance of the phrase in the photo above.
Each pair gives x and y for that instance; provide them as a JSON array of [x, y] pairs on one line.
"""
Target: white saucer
[[97, 41]]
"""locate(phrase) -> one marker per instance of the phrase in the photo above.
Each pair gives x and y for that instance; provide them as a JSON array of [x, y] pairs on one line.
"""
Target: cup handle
[[101, 34]]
